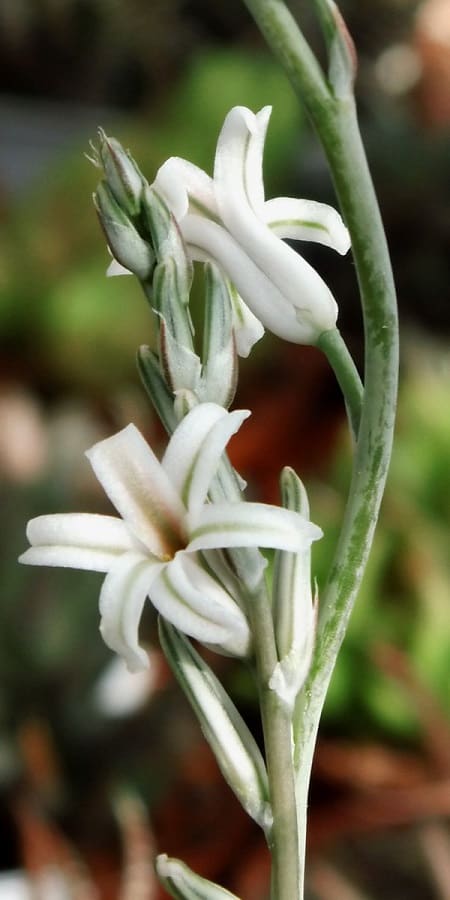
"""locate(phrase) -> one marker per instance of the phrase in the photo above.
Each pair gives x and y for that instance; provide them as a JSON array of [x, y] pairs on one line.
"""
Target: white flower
[[227, 220], [166, 519]]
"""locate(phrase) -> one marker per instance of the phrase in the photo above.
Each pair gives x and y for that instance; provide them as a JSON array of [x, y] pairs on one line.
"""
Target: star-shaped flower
[[154, 549], [227, 220]]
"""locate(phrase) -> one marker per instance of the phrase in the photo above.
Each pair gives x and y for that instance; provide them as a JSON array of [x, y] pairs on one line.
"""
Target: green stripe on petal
[[307, 220], [196, 604], [185, 443], [122, 598], [250, 525], [76, 540], [194, 450]]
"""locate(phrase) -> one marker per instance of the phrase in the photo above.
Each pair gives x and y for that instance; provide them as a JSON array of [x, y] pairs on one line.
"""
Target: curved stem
[[338, 355], [359, 205], [335, 120]]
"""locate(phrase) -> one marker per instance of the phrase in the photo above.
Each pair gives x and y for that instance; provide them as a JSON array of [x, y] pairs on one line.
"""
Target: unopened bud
[[125, 242], [166, 237], [179, 362], [294, 611], [156, 386], [122, 174], [235, 748], [219, 374]]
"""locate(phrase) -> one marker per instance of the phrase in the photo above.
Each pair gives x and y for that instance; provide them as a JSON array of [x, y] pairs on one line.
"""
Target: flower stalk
[[333, 113], [277, 728], [185, 537], [347, 375]]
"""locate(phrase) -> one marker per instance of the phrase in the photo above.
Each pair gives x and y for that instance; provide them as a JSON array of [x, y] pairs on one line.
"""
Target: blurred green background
[[81, 746]]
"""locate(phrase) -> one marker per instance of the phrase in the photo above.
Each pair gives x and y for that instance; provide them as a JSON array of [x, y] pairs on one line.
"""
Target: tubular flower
[[227, 220], [153, 549]]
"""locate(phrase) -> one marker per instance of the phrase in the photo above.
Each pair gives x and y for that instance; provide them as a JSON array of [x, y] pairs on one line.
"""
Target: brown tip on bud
[[346, 38]]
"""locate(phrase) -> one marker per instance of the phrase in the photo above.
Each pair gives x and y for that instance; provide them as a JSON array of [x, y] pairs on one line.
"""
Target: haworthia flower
[[184, 884], [226, 219], [152, 550]]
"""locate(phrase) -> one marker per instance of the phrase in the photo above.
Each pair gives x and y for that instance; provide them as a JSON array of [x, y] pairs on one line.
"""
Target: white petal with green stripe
[[122, 598], [307, 220], [194, 450], [192, 600], [76, 541], [250, 525]]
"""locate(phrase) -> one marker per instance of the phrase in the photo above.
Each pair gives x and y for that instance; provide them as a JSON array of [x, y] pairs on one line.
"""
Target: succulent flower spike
[[152, 550]]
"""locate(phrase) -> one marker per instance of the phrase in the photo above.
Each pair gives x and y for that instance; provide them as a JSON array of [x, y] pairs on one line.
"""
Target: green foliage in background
[[404, 599]]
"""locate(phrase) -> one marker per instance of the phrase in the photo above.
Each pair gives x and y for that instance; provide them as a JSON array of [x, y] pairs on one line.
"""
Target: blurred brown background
[[97, 769]]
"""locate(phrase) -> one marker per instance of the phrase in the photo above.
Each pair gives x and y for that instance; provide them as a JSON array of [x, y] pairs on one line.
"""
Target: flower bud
[[184, 884], [122, 174], [125, 243], [156, 387], [167, 239], [219, 374], [233, 744], [342, 54], [179, 362], [294, 611]]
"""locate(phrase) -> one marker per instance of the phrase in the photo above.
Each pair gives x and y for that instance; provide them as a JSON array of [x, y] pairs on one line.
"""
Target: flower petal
[[300, 285], [239, 152], [254, 183], [139, 488], [182, 184], [122, 598], [206, 613], [77, 541], [250, 525], [247, 328], [307, 220], [208, 241], [194, 450], [219, 603]]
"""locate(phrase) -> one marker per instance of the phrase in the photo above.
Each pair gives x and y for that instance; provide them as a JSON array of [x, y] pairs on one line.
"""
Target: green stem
[[337, 353], [359, 205], [287, 876], [335, 120]]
